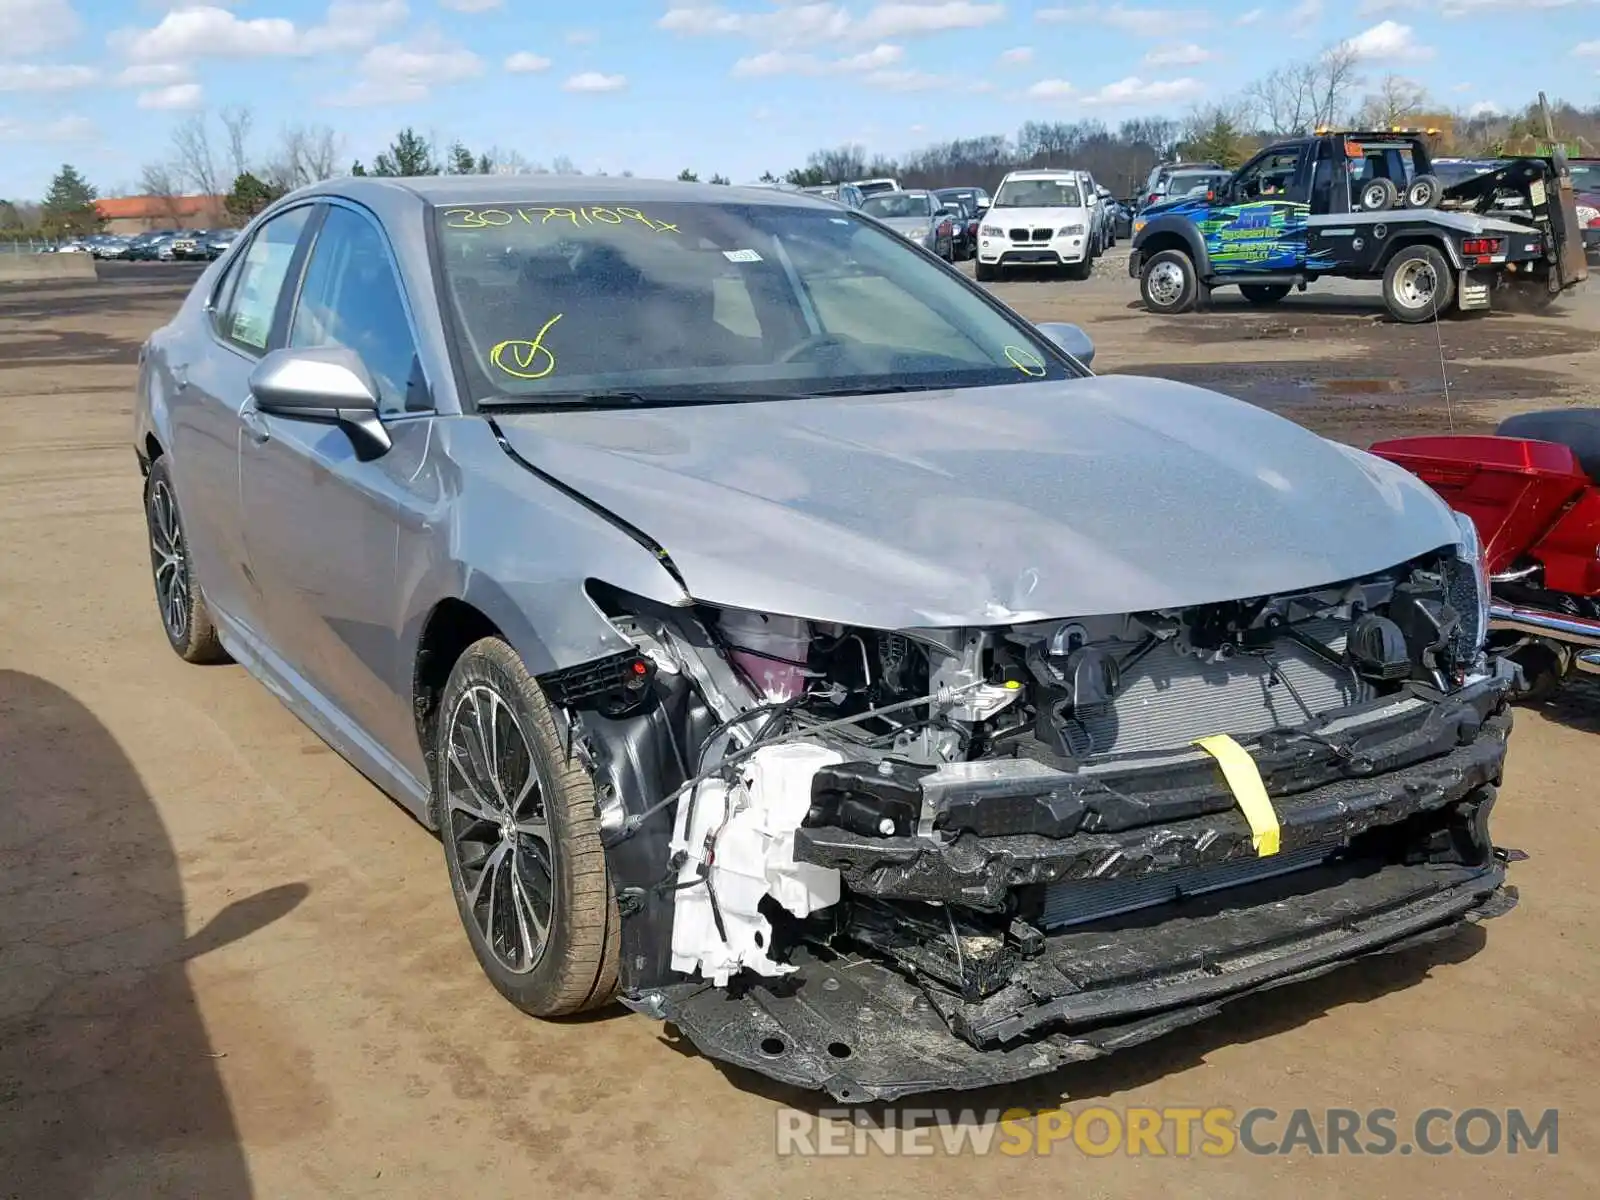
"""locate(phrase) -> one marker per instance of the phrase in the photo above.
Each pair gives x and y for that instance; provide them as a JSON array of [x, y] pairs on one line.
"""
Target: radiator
[[1168, 699]]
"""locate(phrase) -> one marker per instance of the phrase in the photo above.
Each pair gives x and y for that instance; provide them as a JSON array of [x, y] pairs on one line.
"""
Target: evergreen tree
[[409, 154], [688, 176], [69, 204], [248, 196]]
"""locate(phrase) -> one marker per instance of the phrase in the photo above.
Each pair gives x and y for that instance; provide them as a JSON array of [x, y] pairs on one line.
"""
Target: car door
[[322, 527], [1261, 226], [209, 386]]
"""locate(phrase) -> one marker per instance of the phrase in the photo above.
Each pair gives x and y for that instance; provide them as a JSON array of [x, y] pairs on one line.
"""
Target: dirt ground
[[230, 967]]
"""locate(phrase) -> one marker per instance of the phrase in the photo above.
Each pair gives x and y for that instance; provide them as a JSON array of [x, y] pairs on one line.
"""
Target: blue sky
[[737, 88]]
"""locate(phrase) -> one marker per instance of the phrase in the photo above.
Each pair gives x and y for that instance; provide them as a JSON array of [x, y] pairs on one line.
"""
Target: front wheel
[[1418, 285], [521, 833], [1168, 283], [1079, 271], [986, 272]]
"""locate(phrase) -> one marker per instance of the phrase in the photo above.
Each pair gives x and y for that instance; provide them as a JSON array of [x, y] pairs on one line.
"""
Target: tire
[[986, 272], [1377, 195], [1263, 293], [1168, 283], [185, 619], [1078, 272], [1410, 295], [575, 967], [1423, 191]]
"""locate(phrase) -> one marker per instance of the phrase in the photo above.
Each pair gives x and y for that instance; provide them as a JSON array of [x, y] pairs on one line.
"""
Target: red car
[[1586, 182]]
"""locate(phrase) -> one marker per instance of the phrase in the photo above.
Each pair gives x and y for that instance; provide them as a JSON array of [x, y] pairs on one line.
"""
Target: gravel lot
[[230, 967]]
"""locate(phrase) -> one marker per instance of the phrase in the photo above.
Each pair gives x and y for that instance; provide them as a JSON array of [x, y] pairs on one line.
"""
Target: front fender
[[1159, 234]]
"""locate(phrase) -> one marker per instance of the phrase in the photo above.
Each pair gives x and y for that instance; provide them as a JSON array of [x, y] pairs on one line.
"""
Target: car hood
[[1006, 217], [907, 224], [987, 506]]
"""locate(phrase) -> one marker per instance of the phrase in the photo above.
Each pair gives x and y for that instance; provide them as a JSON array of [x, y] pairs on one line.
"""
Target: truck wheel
[[986, 272], [1264, 293], [1168, 283], [1377, 195], [1423, 191], [1418, 285]]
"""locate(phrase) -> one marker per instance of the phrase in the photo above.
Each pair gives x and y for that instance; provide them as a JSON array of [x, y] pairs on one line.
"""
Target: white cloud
[[1134, 21], [1387, 40], [783, 62], [177, 98], [28, 77], [1485, 108], [1178, 56], [405, 72], [1305, 13], [806, 23], [153, 74], [1132, 91], [63, 129], [206, 31], [595, 81], [1587, 49], [471, 6], [1051, 89], [581, 37], [1018, 54], [32, 26], [526, 63], [1251, 17], [904, 81]]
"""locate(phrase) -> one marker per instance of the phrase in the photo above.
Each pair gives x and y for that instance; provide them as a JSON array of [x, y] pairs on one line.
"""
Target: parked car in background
[[1586, 182], [217, 243], [1159, 187], [976, 202], [965, 217], [1039, 218], [918, 216], [874, 187], [190, 245], [847, 194], [143, 248], [1105, 215]]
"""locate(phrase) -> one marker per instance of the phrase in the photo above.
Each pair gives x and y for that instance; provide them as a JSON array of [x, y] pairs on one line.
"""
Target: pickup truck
[[1365, 205]]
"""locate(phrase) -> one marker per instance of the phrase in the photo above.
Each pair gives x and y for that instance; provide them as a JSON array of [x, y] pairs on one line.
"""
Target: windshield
[[898, 204], [1586, 177], [1183, 182], [1039, 193], [692, 302], [875, 186]]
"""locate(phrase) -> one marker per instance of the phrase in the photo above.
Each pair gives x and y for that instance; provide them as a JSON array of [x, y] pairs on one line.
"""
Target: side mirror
[[1070, 338], [325, 384]]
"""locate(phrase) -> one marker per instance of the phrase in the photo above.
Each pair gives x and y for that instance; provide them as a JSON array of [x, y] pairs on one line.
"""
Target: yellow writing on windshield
[[524, 359], [1026, 361], [489, 218]]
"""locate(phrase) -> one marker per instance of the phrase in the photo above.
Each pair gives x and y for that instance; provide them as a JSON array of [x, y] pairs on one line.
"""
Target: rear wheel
[[521, 835], [1168, 282], [184, 615], [1263, 293], [1418, 285]]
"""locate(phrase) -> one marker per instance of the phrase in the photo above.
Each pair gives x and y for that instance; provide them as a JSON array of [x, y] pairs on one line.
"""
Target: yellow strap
[[1244, 781]]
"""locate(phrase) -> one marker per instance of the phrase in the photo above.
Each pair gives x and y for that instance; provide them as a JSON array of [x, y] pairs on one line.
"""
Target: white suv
[[1040, 218]]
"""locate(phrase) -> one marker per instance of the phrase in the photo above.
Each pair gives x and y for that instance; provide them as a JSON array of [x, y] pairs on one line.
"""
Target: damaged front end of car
[[878, 862]]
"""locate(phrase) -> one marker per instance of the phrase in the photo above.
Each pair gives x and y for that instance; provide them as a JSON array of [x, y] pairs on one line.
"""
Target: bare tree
[[195, 163], [1396, 100], [237, 121], [1303, 95], [306, 154], [1335, 79], [160, 183]]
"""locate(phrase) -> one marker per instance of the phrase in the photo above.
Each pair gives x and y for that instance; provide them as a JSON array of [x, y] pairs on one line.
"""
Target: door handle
[[256, 426]]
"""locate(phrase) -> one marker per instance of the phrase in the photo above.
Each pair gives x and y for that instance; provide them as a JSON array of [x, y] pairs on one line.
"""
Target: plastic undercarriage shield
[[852, 1026]]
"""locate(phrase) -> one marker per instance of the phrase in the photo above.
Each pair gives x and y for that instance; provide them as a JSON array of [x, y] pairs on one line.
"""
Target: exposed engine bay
[[1011, 842]]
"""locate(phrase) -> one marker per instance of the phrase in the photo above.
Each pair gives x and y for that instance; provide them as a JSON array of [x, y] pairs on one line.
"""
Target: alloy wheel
[[1166, 283], [496, 820], [1414, 284], [169, 562]]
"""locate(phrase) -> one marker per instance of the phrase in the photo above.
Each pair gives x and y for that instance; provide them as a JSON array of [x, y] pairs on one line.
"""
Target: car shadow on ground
[[1247, 1019], [108, 1083]]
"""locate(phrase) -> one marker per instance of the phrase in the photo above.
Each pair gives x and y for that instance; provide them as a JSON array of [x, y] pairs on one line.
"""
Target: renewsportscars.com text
[[1215, 1132]]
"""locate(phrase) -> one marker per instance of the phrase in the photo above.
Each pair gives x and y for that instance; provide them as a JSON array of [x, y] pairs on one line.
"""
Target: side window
[[1273, 176], [351, 298], [252, 293]]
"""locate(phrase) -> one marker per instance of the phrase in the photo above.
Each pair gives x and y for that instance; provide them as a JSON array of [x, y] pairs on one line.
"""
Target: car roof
[[1046, 173], [445, 190]]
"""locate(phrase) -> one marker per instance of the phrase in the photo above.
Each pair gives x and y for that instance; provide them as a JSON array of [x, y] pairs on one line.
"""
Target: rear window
[[898, 204]]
